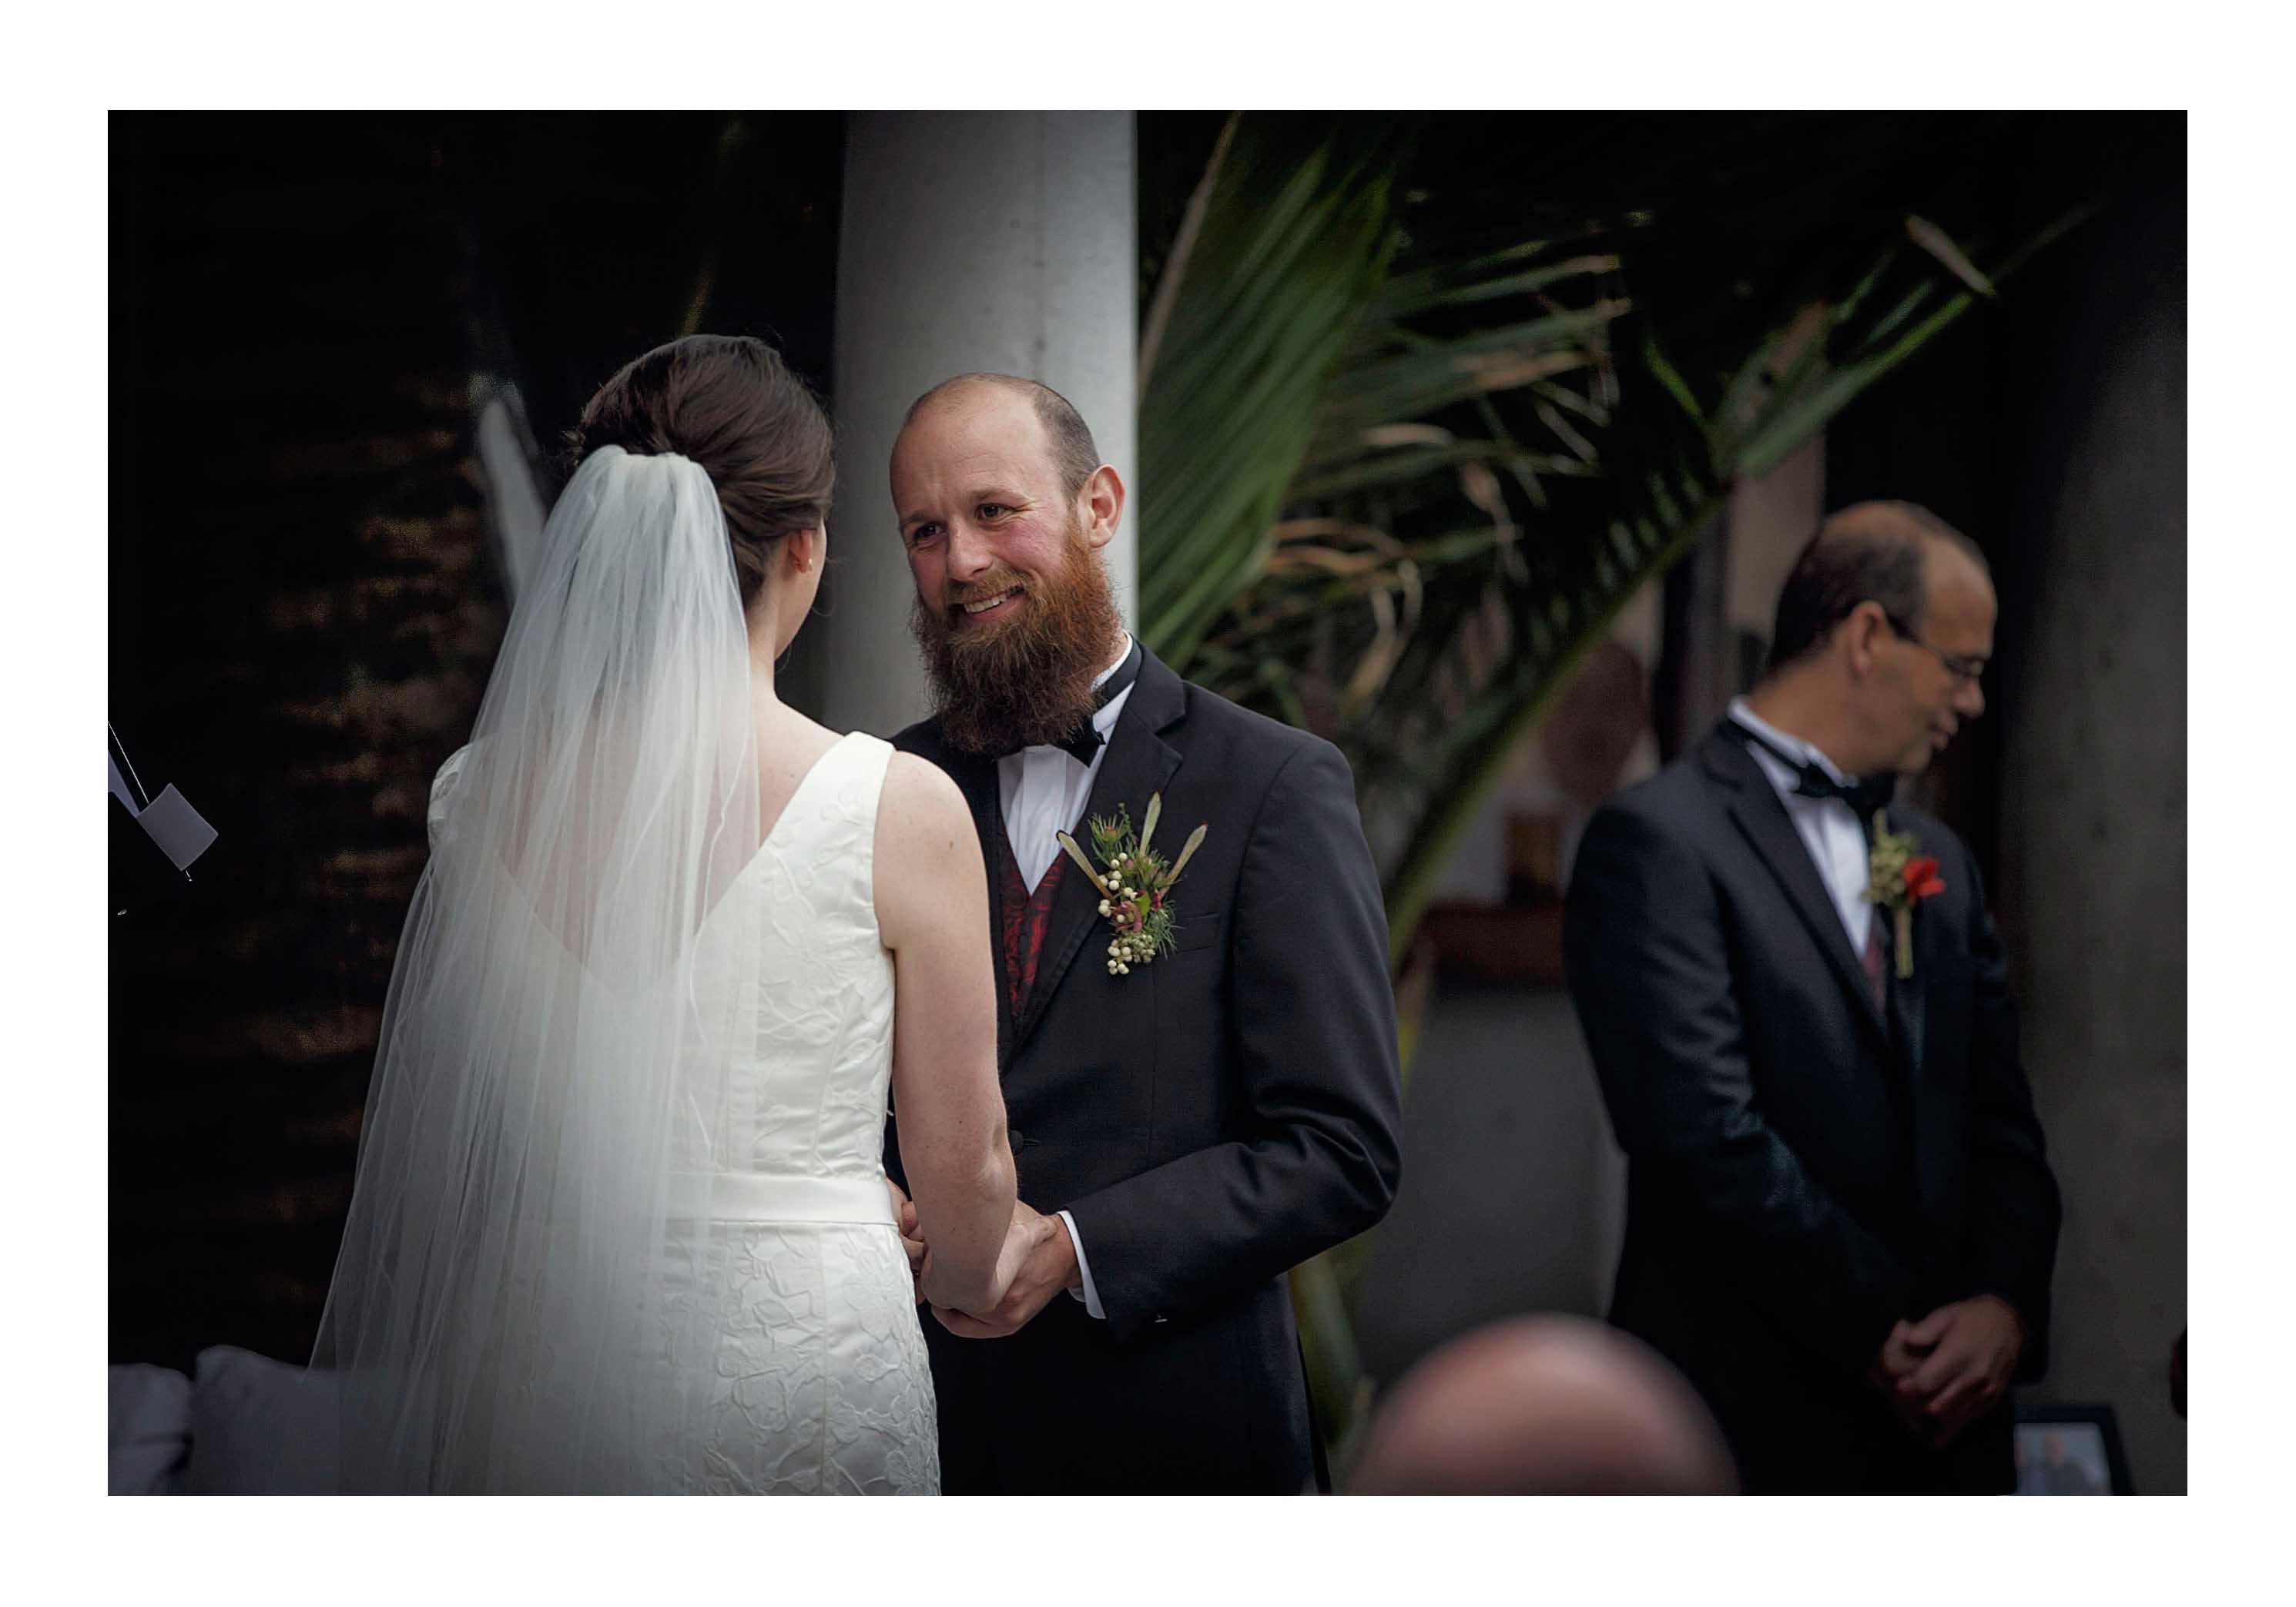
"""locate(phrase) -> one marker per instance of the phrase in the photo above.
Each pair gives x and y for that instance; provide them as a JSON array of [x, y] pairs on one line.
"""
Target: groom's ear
[[1100, 505]]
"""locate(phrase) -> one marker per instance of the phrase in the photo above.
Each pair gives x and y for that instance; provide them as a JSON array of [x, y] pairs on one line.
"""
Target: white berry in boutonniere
[[1897, 879], [1134, 883]]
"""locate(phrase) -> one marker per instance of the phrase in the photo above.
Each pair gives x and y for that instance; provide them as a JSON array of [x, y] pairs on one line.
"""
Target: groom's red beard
[[1007, 684]]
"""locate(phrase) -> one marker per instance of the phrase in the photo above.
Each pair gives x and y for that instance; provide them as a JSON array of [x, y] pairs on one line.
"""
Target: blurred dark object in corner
[[1543, 1406], [2071, 1450]]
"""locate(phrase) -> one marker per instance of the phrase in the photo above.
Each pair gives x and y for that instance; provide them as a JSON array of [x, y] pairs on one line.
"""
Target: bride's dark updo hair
[[729, 403]]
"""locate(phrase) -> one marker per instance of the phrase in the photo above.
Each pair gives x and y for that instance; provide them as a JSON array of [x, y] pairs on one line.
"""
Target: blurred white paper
[[183, 836]]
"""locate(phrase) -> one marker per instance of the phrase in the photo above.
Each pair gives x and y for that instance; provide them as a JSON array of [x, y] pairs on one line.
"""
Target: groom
[[1186, 1129], [1839, 1221]]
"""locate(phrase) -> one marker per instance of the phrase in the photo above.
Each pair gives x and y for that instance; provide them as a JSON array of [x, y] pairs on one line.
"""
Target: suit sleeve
[[2014, 1207], [1649, 970], [1314, 1057]]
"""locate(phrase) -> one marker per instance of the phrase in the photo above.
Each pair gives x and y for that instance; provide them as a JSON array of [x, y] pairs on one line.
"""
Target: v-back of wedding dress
[[806, 1372], [815, 1379]]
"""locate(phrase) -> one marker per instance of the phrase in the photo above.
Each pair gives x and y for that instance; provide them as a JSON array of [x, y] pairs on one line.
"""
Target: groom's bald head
[[1068, 438]]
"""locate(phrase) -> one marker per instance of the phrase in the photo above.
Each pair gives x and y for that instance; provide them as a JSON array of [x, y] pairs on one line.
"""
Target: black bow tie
[[1865, 798], [1085, 742]]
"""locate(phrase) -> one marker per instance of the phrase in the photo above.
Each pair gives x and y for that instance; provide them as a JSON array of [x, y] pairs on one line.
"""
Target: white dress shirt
[[1829, 828], [1042, 790]]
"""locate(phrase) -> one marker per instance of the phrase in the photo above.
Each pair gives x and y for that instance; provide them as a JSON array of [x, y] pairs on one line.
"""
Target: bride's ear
[[803, 552]]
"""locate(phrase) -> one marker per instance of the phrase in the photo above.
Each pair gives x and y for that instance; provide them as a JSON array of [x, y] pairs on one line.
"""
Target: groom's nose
[[969, 554]]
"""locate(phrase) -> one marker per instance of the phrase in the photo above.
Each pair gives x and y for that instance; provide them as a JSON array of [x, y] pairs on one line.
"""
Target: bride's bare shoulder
[[922, 806], [928, 871]]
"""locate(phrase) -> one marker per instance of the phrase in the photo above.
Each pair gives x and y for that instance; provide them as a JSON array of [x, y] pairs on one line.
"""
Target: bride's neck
[[764, 648]]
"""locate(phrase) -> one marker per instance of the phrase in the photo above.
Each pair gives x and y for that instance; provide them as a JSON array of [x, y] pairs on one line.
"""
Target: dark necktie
[[1084, 743]]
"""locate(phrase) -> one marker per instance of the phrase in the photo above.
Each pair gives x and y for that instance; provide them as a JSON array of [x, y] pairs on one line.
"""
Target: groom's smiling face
[[989, 526], [1014, 612]]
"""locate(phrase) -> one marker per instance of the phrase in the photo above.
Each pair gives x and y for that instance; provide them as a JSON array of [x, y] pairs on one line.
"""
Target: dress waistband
[[771, 1197]]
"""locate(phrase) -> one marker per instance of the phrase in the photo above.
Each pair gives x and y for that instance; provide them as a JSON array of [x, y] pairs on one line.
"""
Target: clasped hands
[[1037, 1261], [1943, 1373]]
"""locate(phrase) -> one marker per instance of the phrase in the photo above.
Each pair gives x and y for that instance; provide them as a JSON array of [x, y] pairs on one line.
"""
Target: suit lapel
[[976, 778], [1137, 763], [1762, 818]]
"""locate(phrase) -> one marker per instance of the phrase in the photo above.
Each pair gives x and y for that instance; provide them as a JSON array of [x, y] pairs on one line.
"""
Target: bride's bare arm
[[932, 909]]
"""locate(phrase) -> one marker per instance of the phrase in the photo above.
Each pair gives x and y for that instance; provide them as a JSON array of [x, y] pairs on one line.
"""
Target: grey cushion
[[260, 1427], [148, 1429]]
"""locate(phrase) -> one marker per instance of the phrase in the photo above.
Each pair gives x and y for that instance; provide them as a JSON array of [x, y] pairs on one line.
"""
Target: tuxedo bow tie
[[1865, 798], [1084, 743]]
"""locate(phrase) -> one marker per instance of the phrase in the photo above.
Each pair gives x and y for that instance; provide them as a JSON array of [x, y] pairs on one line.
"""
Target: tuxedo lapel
[[976, 778], [1137, 764], [1761, 818]]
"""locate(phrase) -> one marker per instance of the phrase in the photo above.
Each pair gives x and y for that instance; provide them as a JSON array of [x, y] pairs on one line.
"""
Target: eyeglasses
[[1969, 669]]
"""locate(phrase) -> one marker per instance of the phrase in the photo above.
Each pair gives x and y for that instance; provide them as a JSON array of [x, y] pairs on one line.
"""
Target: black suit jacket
[[1209, 1120], [1803, 1170]]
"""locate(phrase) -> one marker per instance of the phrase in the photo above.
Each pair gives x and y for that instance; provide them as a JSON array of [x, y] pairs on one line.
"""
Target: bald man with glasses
[[1841, 1221]]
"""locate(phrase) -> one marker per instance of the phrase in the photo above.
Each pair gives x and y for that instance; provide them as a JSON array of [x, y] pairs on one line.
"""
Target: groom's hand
[[1045, 1263], [905, 1214]]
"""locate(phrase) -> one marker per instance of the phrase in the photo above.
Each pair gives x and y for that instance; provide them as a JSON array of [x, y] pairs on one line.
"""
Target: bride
[[621, 1221]]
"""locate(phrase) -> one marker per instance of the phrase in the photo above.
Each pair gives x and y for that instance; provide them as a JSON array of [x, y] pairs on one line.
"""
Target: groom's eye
[[918, 536], [990, 510]]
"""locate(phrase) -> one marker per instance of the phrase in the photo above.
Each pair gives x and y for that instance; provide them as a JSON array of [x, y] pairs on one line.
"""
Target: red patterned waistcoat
[[1025, 916]]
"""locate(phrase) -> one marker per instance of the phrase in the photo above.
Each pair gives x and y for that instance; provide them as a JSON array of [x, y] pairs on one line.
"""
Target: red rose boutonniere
[[1899, 880]]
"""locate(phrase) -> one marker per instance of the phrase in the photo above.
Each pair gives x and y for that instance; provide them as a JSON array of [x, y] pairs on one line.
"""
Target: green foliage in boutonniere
[[1897, 879], [1134, 883]]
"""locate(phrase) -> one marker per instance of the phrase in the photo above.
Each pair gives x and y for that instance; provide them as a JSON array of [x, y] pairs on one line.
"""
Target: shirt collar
[[1741, 711], [1104, 718]]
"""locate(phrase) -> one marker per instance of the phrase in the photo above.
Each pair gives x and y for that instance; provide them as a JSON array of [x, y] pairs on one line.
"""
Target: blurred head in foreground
[[1543, 1406]]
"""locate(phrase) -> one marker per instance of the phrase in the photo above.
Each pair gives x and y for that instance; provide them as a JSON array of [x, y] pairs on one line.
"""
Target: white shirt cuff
[[1090, 1295]]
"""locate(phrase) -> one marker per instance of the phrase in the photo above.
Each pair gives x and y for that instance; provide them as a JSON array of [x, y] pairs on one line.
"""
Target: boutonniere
[[1134, 883], [1899, 879]]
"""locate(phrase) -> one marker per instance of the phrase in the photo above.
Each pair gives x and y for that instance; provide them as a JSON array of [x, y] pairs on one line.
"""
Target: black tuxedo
[[1209, 1120], [1804, 1169]]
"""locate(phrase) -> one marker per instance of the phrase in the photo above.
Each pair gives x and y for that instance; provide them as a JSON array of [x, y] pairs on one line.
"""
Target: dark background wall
[[305, 595]]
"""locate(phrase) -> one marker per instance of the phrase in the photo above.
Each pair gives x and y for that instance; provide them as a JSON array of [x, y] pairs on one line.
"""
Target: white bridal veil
[[501, 1318]]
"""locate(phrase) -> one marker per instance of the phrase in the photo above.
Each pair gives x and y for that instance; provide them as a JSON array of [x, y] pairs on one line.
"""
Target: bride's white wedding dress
[[815, 1382], [620, 1222], [808, 1375]]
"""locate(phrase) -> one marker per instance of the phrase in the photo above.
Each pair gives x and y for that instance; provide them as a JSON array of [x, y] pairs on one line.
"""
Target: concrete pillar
[[2092, 705], [971, 241]]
